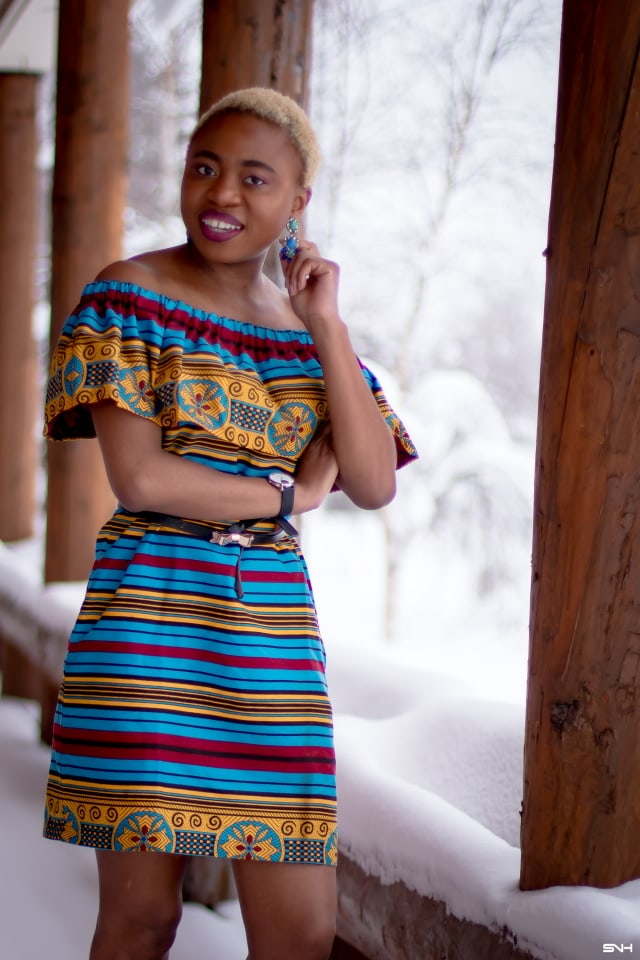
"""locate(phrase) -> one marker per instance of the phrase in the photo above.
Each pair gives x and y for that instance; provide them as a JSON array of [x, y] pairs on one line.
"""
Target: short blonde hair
[[276, 108]]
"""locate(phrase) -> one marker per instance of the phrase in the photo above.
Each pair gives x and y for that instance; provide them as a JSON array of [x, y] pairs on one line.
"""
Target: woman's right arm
[[143, 476]]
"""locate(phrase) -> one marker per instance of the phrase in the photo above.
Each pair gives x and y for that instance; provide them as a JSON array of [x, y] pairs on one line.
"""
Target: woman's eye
[[205, 170], [254, 180]]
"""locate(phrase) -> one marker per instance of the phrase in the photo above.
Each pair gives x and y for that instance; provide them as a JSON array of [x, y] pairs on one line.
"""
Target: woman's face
[[240, 185]]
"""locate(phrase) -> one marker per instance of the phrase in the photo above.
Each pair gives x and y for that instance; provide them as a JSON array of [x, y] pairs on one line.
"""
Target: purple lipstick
[[219, 227]]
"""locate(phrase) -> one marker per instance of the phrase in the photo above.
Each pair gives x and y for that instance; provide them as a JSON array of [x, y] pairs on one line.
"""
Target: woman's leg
[[289, 909], [140, 905]]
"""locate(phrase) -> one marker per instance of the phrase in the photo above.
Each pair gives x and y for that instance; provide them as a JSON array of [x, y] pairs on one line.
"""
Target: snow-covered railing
[[429, 785], [36, 618], [393, 922], [35, 622]]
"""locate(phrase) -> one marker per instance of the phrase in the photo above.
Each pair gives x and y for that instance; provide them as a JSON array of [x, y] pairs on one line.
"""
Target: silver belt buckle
[[243, 539]]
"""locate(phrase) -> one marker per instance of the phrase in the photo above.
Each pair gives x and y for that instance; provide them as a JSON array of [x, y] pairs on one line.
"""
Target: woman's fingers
[[305, 266]]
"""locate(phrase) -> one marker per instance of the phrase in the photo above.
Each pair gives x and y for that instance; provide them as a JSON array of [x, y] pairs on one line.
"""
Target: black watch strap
[[286, 504]]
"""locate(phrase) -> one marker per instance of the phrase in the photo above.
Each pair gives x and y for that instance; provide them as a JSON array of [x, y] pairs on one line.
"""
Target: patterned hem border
[[274, 839]]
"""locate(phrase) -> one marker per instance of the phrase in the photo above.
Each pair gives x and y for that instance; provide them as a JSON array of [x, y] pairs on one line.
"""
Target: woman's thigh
[[289, 909]]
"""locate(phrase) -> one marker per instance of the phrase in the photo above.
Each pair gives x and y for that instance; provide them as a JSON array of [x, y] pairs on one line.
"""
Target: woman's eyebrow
[[210, 155]]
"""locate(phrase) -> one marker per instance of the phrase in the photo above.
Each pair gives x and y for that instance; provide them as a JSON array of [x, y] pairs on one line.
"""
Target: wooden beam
[[89, 195], [392, 922], [18, 369], [263, 43], [581, 812]]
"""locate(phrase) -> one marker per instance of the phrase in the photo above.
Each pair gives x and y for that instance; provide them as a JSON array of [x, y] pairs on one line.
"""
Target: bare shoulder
[[124, 271], [145, 270]]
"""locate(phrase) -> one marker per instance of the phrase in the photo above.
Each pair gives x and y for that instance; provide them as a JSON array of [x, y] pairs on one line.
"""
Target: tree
[[430, 146]]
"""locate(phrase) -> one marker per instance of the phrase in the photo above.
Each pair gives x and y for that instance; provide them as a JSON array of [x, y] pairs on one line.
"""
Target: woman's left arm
[[362, 442]]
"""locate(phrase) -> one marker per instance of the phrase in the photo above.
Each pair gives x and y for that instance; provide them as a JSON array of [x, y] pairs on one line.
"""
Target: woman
[[193, 718]]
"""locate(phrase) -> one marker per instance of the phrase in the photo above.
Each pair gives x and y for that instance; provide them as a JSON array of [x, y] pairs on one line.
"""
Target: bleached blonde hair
[[276, 108]]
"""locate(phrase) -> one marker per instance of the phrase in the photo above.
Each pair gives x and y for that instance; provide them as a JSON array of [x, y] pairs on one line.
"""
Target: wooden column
[[19, 392], [261, 43], [89, 194], [581, 815], [256, 43]]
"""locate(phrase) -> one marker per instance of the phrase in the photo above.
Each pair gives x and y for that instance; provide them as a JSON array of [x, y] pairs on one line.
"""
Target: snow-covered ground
[[430, 773], [49, 891]]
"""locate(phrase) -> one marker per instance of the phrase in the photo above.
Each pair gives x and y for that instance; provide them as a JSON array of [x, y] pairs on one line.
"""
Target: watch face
[[281, 480]]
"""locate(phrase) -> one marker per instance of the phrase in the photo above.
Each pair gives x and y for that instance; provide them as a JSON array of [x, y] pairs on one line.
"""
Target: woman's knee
[[289, 910], [140, 905], [142, 934], [309, 940], [316, 941], [310, 947]]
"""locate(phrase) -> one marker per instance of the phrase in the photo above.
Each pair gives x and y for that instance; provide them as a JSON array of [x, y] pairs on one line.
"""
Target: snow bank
[[430, 779]]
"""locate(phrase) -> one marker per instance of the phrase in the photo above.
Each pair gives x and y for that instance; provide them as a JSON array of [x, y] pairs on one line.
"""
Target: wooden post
[[262, 43], [18, 377], [20, 677], [581, 814], [256, 43], [89, 193]]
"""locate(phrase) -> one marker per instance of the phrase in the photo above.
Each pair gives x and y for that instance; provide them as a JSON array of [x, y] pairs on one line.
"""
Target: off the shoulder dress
[[193, 717]]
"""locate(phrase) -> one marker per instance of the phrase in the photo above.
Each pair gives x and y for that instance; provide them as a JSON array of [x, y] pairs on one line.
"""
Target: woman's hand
[[312, 284], [316, 472], [361, 440], [363, 445]]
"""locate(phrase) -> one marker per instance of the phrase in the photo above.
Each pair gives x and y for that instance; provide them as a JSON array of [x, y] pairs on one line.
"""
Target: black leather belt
[[235, 533]]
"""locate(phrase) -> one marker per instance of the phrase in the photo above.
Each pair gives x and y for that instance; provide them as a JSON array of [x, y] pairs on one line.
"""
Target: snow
[[430, 776], [429, 715], [49, 891]]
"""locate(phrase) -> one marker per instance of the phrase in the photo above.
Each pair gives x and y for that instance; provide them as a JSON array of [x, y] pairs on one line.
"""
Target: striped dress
[[193, 717]]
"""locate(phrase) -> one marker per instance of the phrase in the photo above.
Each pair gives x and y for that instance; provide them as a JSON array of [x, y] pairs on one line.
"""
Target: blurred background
[[436, 123]]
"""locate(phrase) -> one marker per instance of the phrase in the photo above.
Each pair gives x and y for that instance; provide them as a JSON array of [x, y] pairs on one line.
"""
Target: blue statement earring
[[290, 243]]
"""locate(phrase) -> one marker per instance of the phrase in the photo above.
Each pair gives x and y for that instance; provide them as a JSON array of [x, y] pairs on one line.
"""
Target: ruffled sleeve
[[107, 350], [405, 448]]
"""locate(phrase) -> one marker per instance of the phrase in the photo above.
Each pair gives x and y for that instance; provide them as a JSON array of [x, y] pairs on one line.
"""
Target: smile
[[220, 225]]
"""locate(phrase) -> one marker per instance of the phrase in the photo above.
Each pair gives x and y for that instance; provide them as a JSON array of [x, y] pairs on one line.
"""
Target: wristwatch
[[286, 485]]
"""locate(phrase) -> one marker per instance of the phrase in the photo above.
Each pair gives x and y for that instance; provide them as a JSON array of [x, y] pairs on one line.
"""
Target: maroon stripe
[[182, 563], [210, 566], [111, 738], [195, 326], [205, 759], [192, 653]]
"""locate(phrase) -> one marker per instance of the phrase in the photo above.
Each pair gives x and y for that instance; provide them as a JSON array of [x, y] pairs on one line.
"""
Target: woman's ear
[[301, 201]]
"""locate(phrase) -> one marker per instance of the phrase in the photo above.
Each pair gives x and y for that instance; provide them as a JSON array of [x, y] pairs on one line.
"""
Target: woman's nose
[[223, 189]]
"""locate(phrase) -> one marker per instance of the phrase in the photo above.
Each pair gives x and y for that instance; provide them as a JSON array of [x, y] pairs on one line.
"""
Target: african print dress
[[193, 717]]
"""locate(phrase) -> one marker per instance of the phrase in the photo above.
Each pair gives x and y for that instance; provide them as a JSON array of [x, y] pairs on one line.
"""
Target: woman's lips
[[219, 227]]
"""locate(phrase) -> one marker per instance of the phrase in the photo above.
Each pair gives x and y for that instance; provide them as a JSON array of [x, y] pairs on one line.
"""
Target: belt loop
[[239, 587]]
